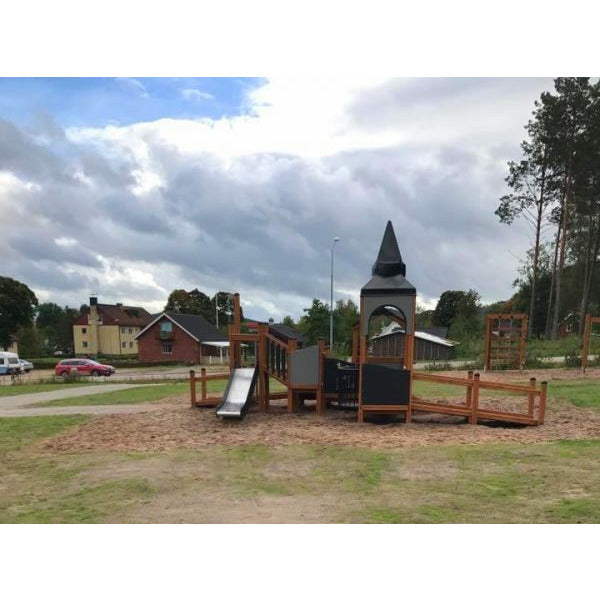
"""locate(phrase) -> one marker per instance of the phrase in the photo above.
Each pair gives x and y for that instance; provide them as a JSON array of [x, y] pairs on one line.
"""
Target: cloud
[[134, 85], [251, 203], [196, 95]]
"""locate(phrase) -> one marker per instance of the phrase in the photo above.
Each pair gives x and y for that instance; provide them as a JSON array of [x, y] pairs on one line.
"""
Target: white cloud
[[251, 202], [196, 95]]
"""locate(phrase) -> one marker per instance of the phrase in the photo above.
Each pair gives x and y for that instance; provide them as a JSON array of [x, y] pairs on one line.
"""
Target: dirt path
[[20, 405]]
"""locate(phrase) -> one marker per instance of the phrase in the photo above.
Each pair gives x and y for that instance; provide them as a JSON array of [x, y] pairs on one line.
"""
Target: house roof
[[394, 328], [195, 326], [118, 314], [283, 331]]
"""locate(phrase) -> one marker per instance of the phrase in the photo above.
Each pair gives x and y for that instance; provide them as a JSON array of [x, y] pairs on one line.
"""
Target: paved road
[[19, 406]]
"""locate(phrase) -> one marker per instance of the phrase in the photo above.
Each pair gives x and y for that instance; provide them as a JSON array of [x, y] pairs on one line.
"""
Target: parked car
[[82, 366], [26, 366], [9, 363]]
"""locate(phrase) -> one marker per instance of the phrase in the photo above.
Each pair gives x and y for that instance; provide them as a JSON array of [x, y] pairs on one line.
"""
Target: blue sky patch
[[96, 102]]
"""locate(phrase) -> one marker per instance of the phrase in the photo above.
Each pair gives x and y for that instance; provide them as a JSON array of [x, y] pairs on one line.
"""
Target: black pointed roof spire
[[389, 261]]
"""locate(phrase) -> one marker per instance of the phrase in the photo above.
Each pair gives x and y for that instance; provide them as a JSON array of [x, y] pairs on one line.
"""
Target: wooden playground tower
[[368, 384], [505, 340]]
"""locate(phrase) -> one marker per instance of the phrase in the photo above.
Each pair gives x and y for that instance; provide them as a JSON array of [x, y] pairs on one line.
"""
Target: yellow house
[[109, 329]]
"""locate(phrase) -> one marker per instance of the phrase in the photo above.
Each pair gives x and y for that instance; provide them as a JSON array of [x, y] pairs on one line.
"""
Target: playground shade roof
[[389, 269]]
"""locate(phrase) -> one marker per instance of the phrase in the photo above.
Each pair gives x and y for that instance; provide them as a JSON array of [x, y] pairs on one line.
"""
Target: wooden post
[[474, 400], [488, 343], [523, 343], [237, 328], [543, 394], [261, 357], [193, 388], [355, 343], [469, 389], [203, 384], [587, 333], [292, 345], [321, 401], [531, 397]]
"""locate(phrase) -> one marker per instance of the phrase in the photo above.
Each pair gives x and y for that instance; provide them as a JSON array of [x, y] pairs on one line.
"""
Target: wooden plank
[[493, 415], [474, 400], [531, 398], [543, 395], [385, 407], [193, 388], [469, 389], [447, 409], [507, 387], [442, 379], [244, 337]]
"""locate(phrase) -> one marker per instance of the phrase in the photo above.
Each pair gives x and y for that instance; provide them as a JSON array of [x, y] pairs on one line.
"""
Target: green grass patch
[[16, 433], [89, 504], [579, 392], [31, 388], [492, 483], [136, 395], [576, 510]]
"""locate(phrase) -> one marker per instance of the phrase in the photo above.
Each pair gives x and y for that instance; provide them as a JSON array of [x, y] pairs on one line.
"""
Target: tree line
[[555, 188]]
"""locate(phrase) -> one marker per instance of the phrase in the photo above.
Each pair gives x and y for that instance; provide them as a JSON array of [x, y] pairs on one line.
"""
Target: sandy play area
[[173, 423]]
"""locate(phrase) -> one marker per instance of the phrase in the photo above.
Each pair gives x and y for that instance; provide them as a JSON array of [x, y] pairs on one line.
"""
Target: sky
[[129, 188]]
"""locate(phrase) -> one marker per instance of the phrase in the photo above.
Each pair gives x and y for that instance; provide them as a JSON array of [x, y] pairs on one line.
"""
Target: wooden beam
[[193, 388]]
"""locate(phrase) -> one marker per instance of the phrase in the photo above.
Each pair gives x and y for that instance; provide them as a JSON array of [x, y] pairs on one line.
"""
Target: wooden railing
[[471, 407], [278, 357], [203, 379]]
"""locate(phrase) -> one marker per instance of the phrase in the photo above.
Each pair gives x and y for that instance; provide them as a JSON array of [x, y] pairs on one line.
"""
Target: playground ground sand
[[174, 424]]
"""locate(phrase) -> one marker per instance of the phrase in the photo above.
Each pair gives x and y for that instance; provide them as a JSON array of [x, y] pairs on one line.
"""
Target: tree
[[31, 343], [17, 308], [55, 326], [345, 315], [446, 308], [530, 196], [315, 323], [194, 302], [224, 304], [288, 322]]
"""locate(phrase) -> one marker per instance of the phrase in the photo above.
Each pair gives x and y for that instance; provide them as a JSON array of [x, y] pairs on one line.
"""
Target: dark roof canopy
[[199, 327], [389, 261], [389, 269]]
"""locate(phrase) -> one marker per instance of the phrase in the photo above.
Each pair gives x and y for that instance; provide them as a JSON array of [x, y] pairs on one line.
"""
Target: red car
[[82, 366]]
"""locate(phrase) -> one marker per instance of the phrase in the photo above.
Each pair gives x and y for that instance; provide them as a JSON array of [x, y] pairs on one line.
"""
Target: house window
[[167, 348], [166, 326], [131, 344], [123, 329], [130, 330], [84, 344], [84, 330], [123, 344]]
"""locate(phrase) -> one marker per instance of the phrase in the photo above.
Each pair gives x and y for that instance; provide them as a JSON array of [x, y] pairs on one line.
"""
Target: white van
[[9, 363]]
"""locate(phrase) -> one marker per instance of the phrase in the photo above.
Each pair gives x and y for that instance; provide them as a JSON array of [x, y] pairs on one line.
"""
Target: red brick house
[[181, 338]]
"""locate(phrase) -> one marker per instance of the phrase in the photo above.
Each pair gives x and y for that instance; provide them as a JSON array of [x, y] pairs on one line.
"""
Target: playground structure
[[505, 340], [587, 336], [370, 385]]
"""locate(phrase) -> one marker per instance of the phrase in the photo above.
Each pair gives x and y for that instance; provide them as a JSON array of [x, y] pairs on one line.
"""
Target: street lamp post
[[335, 241]]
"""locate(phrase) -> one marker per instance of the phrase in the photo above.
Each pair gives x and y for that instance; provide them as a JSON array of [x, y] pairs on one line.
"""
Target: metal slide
[[238, 393]]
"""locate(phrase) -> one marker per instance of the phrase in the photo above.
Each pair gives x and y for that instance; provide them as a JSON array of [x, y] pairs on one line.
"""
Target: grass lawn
[[581, 393], [32, 388], [148, 393], [497, 483]]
